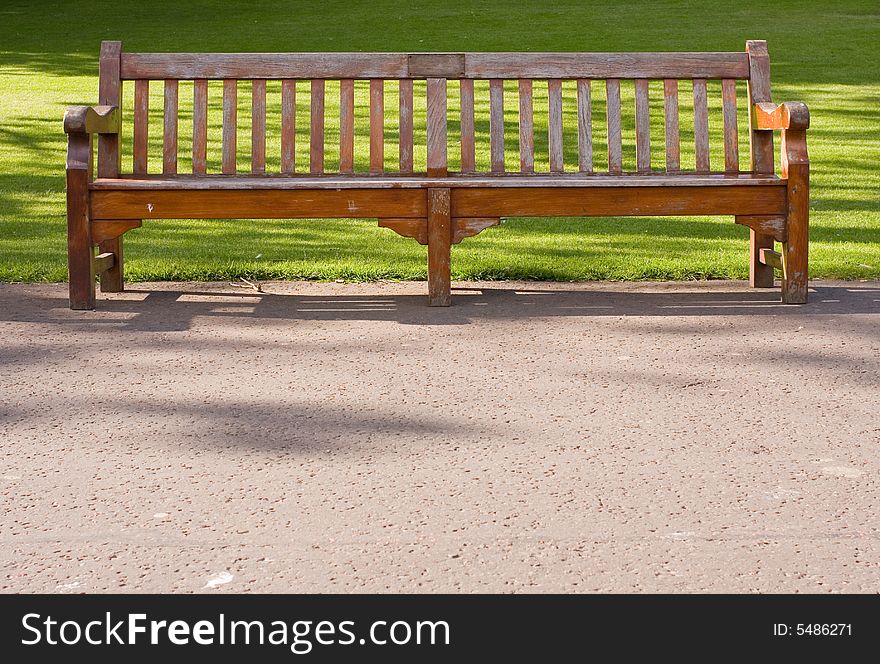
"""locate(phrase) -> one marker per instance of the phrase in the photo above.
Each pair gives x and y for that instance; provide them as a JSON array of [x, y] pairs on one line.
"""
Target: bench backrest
[[416, 113]]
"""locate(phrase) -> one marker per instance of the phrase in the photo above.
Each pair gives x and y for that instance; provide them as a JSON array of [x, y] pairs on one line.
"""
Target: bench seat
[[247, 182]]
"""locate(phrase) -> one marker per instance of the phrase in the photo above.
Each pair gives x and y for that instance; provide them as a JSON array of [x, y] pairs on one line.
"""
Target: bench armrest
[[91, 120], [788, 115]]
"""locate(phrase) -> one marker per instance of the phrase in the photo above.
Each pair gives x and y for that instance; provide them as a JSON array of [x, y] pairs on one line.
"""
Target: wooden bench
[[451, 178]]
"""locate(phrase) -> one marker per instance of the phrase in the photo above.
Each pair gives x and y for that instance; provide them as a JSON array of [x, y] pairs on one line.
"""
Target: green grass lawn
[[825, 54]]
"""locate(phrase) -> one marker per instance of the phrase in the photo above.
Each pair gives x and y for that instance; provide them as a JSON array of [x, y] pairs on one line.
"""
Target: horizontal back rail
[[433, 65]]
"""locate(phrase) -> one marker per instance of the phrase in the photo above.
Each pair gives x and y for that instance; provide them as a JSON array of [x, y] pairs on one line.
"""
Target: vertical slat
[[615, 150], [377, 125], [316, 151], [731, 136], [169, 136], [141, 120], [554, 92], [288, 126], [109, 87], [406, 125], [230, 125], [258, 126], [526, 127], [670, 110], [346, 126], [585, 126], [701, 125], [643, 127], [437, 157], [496, 125], [468, 142], [200, 127]]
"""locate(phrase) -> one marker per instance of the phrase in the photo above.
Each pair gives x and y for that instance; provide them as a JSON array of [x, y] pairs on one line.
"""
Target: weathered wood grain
[[554, 125], [288, 126], [643, 127], [377, 126], [439, 244], [437, 156], [200, 127], [169, 134], [258, 126], [468, 141], [109, 94], [526, 127], [731, 136], [230, 126], [670, 112], [701, 126], [585, 126], [612, 111], [496, 125], [405, 144], [346, 125], [141, 123], [316, 133]]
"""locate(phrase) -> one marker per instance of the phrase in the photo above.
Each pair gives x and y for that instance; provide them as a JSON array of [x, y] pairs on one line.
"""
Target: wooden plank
[[141, 124], [109, 94], [496, 125], [437, 157], [468, 140], [554, 125], [288, 126], [377, 125], [169, 135], [258, 204], [230, 125], [258, 126], [731, 135], [643, 127], [670, 112], [585, 126], [526, 127], [346, 126], [619, 201], [701, 126], [606, 65], [435, 65], [316, 133], [615, 148], [439, 243], [264, 65], [102, 262], [359, 181], [771, 258], [406, 125], [397, 65], [200, 127]]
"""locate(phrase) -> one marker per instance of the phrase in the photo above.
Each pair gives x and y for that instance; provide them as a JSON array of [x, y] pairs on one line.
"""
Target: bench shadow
[[173, 310]]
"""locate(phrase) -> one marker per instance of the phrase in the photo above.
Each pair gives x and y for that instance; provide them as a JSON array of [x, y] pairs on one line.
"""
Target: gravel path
[[531, 438]]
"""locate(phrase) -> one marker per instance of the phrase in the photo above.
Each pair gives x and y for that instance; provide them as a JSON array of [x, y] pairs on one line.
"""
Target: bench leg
[[439, 246], [111, 280], [760, 275], [81, 278], [795, 259]]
